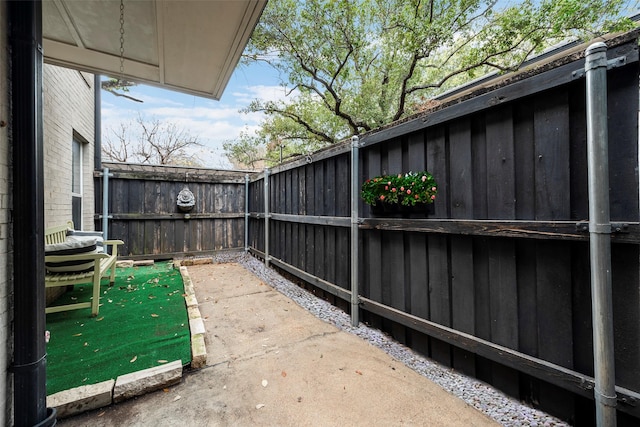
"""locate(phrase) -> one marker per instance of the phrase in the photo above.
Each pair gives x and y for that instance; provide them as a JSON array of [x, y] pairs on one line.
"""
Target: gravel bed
[[502, 408]]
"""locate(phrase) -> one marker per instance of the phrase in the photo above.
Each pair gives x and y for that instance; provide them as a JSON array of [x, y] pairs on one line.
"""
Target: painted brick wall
[[68, 107], [6, 341]]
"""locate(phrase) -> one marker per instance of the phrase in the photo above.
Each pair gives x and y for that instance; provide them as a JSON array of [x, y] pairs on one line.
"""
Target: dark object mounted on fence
[[186, 200], [394, 210]]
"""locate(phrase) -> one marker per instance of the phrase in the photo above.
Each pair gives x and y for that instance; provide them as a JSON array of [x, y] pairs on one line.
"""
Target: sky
[[212, 122]]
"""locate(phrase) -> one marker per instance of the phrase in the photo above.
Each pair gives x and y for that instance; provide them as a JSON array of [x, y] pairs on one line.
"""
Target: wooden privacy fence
[[496, 281], [143, 210]]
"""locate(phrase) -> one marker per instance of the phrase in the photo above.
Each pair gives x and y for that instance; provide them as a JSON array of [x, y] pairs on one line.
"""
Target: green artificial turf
[[142, 323]]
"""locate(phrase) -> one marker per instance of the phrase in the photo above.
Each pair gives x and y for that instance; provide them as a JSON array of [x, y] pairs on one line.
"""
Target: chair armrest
[[114, 246], [113, 242]]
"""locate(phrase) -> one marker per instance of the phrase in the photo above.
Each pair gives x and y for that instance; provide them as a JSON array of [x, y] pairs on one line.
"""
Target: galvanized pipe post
[[355, 145], [266, 217], [600, 234], [246, 212], [105, 203]]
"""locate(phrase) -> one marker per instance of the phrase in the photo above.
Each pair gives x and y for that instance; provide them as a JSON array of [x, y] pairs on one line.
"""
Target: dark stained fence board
[[552, 148], [578, 151], [623, 154], [626, 300], [524, 157]]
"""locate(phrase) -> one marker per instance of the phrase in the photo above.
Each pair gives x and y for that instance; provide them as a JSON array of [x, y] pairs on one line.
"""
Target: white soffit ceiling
[[189, 46]]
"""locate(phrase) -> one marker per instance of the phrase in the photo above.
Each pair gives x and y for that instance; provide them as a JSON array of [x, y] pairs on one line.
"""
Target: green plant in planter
[[403, 189]]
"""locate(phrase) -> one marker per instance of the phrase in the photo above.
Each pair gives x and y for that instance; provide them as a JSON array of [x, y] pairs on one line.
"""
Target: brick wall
[[6, 341], [68, 99], [68, 107]]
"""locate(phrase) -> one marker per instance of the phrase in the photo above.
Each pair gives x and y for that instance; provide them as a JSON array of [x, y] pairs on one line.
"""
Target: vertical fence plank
[[439, 284], [462, 287], [623, 179], [393, 283], [501, 198], [372, 255], [552, 145], [417, 273]]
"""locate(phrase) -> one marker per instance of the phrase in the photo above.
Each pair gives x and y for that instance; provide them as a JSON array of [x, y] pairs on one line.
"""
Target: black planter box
[[395, 210]]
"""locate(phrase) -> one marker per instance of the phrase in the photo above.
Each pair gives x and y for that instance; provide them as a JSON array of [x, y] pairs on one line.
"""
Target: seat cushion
[[72, 246], [87, 235]]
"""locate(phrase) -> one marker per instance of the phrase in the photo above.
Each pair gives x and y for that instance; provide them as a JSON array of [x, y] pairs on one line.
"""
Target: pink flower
[[401, 188], [389, 183], [424, 178], [433, 188], [394, 189], [408, 191], [399, 175], [382, 197], [433, 197], [417, 197], [386, 187]]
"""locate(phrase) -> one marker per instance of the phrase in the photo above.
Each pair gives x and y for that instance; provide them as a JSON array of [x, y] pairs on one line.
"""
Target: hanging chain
[[122, 40]]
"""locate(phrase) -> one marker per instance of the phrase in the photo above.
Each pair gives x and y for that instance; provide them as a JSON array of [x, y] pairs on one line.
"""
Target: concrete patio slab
[[270, 362]]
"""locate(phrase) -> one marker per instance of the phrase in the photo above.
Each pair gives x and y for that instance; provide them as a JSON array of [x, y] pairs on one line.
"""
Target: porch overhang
[[189, 46]]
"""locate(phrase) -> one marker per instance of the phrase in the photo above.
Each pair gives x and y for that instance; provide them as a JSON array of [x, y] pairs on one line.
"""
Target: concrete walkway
[[271, 363]]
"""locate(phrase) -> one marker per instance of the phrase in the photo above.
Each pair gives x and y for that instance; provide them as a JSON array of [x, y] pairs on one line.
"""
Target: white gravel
[[502, 408]]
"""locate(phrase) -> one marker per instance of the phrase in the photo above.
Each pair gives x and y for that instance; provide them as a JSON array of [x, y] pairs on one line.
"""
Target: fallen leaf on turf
[[154, 315], [177, 398], [86, 344], [265, 383], [283, 373], [77, 335], [99, 319], [162, 361], [260, 405], [134, 359]]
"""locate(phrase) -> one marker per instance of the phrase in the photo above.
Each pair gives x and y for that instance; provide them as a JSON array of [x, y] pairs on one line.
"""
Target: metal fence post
[[355, 144], [266, 217], [246, 212], [105, 203], [600, 234]]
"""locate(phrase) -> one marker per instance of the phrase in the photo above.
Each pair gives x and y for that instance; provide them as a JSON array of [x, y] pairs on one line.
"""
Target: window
[[76, 184]]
